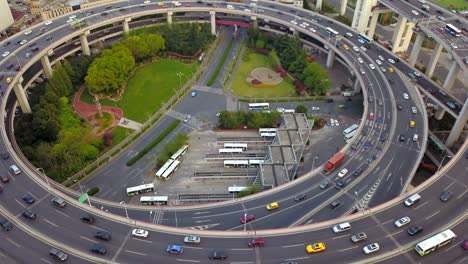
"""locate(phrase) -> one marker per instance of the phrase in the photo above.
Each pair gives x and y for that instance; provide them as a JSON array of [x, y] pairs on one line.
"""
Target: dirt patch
[[266, 75]]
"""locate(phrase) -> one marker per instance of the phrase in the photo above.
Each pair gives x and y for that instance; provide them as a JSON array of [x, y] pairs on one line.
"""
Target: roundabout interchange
[[283, 229]]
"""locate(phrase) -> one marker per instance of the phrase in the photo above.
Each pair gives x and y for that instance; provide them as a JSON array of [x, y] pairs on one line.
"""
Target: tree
[[155, 43], [301, 109], [316, 78], [137, 46]]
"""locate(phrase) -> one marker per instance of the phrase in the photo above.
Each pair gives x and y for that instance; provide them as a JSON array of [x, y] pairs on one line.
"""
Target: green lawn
[[457, 4], [149, 88], [250, 61]]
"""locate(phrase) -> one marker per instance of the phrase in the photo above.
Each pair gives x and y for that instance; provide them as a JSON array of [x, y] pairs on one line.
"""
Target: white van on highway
[[412, 199]]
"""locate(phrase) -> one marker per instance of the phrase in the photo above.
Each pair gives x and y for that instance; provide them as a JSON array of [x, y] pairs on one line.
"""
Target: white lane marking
[[341, 250], [98, 228], [193, 247], [64, 214], [296, 245], [11, 241], [389, 235], [242, 262], [463, 259], [188, 260], [238, 249], [20, 203], [297, 258], [421, 205], [199, 213], [46, 261], [432, 215], [386, 222], [142, 240], [137, 253], [85, 238], [456, 244], [202, 221], [338, 237], [462, 194], [448, 186], [50, 222]]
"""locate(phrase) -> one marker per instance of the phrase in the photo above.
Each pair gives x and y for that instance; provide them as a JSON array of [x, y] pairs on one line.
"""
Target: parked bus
[[180, 153], [242, 146], [366, 39], [236, 189], [427, 246], [166, 165], [268, 135], [230, 151], [350, 129], [154, 200], [332, 32], [349, 136], [453, 30], [259, 106], [267, 130], [255, 163], [168, 173], [236, 163], [140, 189]]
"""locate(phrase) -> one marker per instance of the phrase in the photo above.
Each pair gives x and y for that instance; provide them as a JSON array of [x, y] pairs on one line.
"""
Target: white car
[[381, 57], [414, 12], [306, 24], [415, 137], [372, 66], [441, 18], [356, 48], [371, 248], [27, 32], [383, 69], [294, 22], [192, 239], [146, 2], [422, 1], [363, 48], [302, 26], [406, 96], [392, 61], [315, 108], [280, 109], [361, 40], [247, 10], [414, 110], [6, 53], [378, 62], [313, 30], [360, 60], [186, 119], [362, 71], [454, 45], [48, 22], [332, 122], [139, 232], [342, 173], [349, 34], [230, 7], [72, 17], [402, 221], [337, 123], [23, 42]]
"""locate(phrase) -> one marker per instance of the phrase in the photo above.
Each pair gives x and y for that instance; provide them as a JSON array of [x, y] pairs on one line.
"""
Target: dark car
[[402, 138], [10, 66], [29, 214], [328, 100], [217, 255], [354, 146], [49, 38], [256, 242], [103, 14], [98, 249], [247, 218], [357, 172], [365, 131], [335, 204], [399, 107], [89, 219], [445, 196], [339, 184], [35, 49], [32, 44], [58, 255], [383, 137], [28, 199], [103, 235], [6, 225], [4, 178], [5, 155], [300, 197], [414, 230], [7, 43]]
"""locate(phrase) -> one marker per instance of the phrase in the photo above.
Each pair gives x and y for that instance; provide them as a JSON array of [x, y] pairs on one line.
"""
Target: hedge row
[[153, 143], [220, 64]]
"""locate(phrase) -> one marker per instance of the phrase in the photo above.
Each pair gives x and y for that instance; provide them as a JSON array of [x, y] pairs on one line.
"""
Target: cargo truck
[[334, 161]]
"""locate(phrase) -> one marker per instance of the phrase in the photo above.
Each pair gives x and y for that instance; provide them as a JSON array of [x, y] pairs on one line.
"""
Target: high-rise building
[[6, 18]]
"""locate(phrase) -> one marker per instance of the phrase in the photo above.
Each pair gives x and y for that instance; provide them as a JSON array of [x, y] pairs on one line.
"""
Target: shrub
[[262, 51], [255, 82], [93, 191]]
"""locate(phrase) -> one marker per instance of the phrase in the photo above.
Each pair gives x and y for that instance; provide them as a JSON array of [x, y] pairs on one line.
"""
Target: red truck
[[334, 161]]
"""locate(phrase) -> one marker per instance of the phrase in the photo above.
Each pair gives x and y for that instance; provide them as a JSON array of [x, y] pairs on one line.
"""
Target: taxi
[[345, 47], [412, 123], [390, 69], [9, 79], [315, 248], [272, 206]]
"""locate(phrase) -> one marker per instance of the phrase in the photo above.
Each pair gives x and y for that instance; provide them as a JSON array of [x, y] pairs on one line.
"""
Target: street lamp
[[125, 207], [313, 162], [442, 162], [17, 59], [180, 74], [245, 221], [45, 176], [356, 196], [150, 213]]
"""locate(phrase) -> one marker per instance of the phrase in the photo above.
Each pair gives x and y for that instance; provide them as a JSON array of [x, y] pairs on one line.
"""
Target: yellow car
[[345, 47], [390, 69], [272, 206], [316, 247], [412, 123], [161, 4], [9, 79]]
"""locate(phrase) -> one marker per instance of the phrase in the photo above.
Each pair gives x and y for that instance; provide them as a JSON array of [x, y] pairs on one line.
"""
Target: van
[[59, 202], [412, 199], [15, 169], [343, 227], [230, 7]]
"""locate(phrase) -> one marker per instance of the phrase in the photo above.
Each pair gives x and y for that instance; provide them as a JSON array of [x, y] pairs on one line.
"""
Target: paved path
[[127, 123]]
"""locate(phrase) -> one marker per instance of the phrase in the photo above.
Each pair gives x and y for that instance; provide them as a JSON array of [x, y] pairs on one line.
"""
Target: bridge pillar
[[21, 96], [357, 85], [169, 17], [125, 24], [318, 5], [255, 22], [330, 58], [433, 61], [46, 66], [416, 48], [213, 22], [84, 44], [452, 76], [402, 35], [439, 113], [459, 125], [362, 12], [343, 6], [373, 25]]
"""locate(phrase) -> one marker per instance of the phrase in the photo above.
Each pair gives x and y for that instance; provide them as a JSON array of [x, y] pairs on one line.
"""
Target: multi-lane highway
[[387, 120]]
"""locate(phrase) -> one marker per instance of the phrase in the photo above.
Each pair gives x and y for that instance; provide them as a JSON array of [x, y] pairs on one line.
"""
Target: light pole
[[125, 207], [245, 221], [17, 59], [151, 212], [357, 200], [45, 176], [442, 162], [313, 162], [180, 74]]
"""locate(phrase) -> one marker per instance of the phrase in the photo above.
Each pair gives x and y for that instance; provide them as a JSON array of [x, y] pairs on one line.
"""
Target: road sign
[[83, 198]]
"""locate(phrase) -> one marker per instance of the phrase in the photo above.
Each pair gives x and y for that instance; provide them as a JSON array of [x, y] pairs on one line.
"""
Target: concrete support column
[[407, 36], [84, 44], [439, 114], [433, 61], [213, 22], [344, 3], [125, 24], [46, 66], [459, 125], [357, 86], [416, 48], [362, 14], [330, 58], [452, 76], [21, 97], [373, 25], [255, 22], [357, 10], [318, 5], [169, 17], [398, 33]]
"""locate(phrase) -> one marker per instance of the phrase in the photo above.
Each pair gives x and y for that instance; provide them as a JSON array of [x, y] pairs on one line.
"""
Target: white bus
[[255, 163], [180, 153], [427, 246], [365, 39], [236, 189], [268, 135], [332, 32], [154, 200], [242, 146], [168, 173], [267, 130], [453, 30], [236, 163], [350, 129], [259, 106], [230, 151], [140, 189], [164, 167], [349, 136]]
